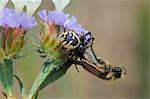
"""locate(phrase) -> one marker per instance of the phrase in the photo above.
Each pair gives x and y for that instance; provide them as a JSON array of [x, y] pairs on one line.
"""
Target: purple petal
[[15, 20], [43, 15], [57, 17], [28, 22], [71, 23], [63, 20]]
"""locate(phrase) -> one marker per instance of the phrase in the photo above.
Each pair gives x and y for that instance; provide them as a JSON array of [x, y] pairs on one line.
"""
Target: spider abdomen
[[70, 40]]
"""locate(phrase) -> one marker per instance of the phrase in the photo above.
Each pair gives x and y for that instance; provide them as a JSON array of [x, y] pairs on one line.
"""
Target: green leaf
[[6, 74], [55, 74], [49, 73], [22, 89]]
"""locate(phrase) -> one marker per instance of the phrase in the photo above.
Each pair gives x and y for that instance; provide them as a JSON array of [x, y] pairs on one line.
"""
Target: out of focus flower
[[13, 26], [13, 19]]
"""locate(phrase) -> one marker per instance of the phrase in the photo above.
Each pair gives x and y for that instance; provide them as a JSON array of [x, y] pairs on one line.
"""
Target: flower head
[[14, 24], [63, 20], [14, 19]]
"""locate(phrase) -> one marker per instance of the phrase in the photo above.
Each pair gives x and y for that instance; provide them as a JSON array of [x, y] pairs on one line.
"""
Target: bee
[[70, 40]]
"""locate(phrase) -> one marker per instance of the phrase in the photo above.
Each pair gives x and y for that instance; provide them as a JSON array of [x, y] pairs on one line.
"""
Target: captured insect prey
[[105, 73]]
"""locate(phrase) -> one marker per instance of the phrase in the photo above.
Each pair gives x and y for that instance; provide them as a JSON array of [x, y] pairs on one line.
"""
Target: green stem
[[9, 95]]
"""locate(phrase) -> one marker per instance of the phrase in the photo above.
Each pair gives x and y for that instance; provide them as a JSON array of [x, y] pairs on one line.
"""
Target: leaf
[[22, 89], [44, 72], [49, 73], [6, 74], [56, 74]]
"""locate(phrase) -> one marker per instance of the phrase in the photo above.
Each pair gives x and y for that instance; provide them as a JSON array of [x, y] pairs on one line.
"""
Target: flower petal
[[42, 14], [28, 22], [60, 4], [14, 19], [19, 5], [32, 5], [3, 3], [58, 18], [72, 24]]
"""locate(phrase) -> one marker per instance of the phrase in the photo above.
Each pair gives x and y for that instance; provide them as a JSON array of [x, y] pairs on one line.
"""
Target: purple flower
[[57, 17], [65, 21], [13, 19]]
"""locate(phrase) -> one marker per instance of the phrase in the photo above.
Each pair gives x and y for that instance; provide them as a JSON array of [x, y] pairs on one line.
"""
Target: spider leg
[[94, 53], [76, 68]]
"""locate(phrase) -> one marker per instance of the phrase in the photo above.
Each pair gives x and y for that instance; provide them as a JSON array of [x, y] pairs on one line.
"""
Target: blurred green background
[[120, 28]]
